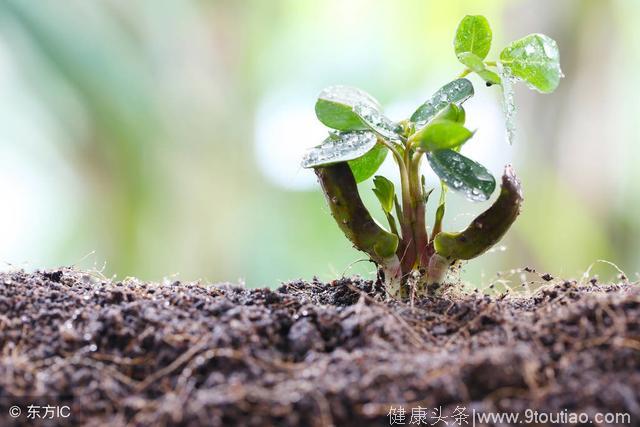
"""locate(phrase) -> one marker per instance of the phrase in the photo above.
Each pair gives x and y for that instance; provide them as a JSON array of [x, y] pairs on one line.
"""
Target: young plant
[[411, 257]]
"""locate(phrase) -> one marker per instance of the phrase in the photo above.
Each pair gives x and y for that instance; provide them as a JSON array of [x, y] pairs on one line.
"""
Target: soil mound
[[310, 353]]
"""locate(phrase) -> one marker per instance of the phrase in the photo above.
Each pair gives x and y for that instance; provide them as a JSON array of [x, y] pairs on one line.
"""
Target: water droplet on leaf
[[346, 146], [455, 92], [377, 121], [508, 102]]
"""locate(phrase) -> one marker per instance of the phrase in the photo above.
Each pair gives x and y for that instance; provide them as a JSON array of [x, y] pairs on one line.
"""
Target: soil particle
[[304, 337], [310, 353]]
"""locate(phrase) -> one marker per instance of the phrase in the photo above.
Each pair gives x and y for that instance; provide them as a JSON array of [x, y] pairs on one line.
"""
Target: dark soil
[[310, 353]]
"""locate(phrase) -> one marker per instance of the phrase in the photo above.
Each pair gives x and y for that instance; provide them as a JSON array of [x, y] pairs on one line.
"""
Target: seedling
[[411, 257]]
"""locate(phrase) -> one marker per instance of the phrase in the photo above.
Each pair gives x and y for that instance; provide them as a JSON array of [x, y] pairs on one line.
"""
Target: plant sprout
[[411, 257]]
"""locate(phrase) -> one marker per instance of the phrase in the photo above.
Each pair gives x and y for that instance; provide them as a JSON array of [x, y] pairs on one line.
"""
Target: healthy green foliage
[[377, 122], [455, 92], [384, 190], [410, 254], [335, 104], [462, 174], [534, 59], [475, 64], [473, 36], [442, 134], [452, 112], [364, 167], [341, 147], [471, 60]]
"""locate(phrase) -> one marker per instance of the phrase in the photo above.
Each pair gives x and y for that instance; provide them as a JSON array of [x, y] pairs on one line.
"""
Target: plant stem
[[464, 73], [408, 257], [391, 146], [419, 225], [437, 271], [488, 227], [351, 215], [393, 278]]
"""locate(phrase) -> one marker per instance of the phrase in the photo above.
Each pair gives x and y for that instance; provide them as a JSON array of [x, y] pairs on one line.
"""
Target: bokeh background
[[163, 138]]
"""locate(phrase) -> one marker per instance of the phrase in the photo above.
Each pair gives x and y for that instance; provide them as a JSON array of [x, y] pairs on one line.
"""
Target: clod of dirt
[[134, 353]]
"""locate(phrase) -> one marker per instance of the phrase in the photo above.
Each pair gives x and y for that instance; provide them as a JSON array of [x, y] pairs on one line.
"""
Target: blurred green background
[[159, 138]]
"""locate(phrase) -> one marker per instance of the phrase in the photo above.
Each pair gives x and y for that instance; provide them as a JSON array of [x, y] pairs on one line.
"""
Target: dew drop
[[550, 48], [456, 92], [376, 121], [508, 102], [347, 95], [343, 147]]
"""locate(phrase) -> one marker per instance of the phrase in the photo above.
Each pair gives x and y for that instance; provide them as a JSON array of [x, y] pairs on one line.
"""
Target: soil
[[310, 354]]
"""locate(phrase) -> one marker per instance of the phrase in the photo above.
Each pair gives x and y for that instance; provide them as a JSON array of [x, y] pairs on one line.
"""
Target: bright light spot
[[36, 187], [32, 215], [19, 208], [488, 146], [285, 127]]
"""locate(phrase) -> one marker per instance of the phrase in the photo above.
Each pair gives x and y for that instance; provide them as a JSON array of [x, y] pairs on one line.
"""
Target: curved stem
[[391, 146], [488, 227], [351, 215]]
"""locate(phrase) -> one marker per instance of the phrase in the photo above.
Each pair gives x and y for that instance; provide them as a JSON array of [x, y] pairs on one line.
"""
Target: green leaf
[[455, 92], [425, 193], [335, 104], [475, 64], [364, 167], [489, 77], [471, 60], [442, 134], [340, 147], [473, 35], [535, 60], [462, 174], [377, 122], [384, 190], [453, 113]]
